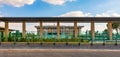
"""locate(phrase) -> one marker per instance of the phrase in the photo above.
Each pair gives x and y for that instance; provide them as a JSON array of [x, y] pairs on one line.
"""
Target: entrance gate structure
[[75, 20]]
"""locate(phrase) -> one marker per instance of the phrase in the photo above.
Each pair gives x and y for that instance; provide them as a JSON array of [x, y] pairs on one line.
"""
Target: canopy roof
[[62, 19]]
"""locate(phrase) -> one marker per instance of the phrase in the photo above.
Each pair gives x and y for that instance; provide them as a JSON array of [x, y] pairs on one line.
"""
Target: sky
[[59, 8]]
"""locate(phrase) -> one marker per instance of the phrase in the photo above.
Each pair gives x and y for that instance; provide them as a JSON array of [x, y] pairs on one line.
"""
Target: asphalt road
[[53, 53], [71, 50]]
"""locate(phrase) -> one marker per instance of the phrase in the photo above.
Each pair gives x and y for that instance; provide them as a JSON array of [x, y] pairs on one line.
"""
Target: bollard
[[103, 41], [66, 43], [104, 37], [116, 42], [116, 39], [54, 43], [41, 43], [79, 41], [79, 44], [103, 44], [14, 41], [28, 41], [0, 41], [91, 42], [41, 40]]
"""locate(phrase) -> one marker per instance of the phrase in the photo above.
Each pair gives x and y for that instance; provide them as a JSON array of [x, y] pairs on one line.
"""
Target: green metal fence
[[102, 37]]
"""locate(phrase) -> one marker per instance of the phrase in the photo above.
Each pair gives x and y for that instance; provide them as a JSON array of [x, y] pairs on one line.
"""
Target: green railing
[[65, 38]]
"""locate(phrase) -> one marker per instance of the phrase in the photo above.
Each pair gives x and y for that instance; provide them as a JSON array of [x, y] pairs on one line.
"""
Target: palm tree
[[115, 26]]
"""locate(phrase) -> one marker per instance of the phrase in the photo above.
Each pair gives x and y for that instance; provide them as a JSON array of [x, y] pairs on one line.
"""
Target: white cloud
[[110, 5], [76, 14], [108, 14], [82, 14], [57, 2], [102, 26], [98, 26], [17, 3]]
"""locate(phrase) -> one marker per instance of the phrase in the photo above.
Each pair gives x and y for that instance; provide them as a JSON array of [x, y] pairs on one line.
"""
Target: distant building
[[52, 30]]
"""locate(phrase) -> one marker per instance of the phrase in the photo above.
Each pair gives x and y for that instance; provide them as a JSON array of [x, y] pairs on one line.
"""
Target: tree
[[115, 26], [105, 34]]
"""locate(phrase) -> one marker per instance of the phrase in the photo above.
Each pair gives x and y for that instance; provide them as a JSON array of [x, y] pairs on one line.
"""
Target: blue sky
[[66, 8], [41, 8]]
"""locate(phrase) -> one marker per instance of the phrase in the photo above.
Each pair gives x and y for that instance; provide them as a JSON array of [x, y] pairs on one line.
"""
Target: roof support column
[[110, 29], [58, 29], [6, 31], [41, 28], [23, 29], [75, 29], [92, 29]]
